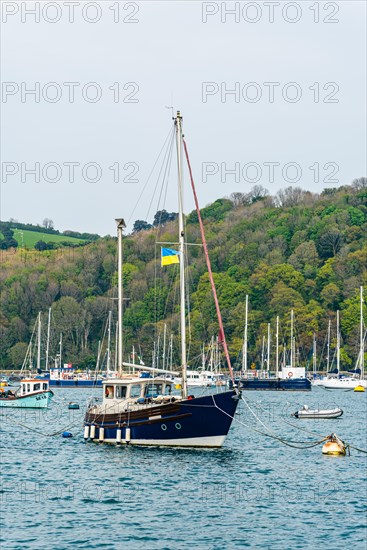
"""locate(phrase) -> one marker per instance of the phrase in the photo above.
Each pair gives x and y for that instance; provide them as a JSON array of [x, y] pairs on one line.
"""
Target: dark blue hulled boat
[[289, 379], [144, 411], [68, 378], [274, 384]]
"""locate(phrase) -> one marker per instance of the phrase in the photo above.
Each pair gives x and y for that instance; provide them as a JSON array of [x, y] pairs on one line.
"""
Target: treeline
[[297, 250]]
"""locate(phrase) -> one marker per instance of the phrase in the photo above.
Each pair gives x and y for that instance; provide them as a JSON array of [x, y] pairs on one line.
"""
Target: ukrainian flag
[[169, 256]]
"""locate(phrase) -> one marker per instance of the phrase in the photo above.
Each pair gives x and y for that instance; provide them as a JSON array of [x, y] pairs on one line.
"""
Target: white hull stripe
[[212, 441]]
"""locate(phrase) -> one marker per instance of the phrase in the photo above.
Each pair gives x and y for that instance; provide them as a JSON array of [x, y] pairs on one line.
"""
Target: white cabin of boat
[[133, 390], [32, 385]]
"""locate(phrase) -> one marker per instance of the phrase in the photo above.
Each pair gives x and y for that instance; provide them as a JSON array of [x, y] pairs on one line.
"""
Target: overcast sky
[[297, 71]]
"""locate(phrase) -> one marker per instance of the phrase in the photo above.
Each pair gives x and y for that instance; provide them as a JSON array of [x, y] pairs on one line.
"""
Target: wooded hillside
[[296, 250]]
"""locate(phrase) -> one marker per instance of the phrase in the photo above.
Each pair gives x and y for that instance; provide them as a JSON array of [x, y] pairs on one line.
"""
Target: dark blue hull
[[75, 383], [274, 384], [198, 422]]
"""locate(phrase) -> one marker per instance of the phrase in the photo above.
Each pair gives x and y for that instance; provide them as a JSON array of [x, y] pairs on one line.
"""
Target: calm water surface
[[255, 492]]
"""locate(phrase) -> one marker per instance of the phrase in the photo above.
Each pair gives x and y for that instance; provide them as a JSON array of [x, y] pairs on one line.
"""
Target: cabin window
[[168, 389], [152, 390], [135, 390], [44, 386], [120, 392], [23, 388], [28, 387], [37, 387], [109, 392]]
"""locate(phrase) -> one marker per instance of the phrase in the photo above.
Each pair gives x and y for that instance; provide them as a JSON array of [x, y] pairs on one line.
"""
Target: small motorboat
[[32, 394], [306, 412]]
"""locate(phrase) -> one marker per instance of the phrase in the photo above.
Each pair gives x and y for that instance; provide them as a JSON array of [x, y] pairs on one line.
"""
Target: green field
[[29, 238]]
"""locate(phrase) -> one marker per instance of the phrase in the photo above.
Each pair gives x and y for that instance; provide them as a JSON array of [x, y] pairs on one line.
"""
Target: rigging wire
[[150, 174]]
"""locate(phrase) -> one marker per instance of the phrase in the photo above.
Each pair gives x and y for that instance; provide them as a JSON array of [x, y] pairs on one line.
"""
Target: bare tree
[[289, 196], [359, 183], [47, 223], [238, 199]]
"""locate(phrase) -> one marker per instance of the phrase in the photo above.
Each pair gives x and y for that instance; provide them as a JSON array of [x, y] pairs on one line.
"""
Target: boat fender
[[86, 432], [290, 374], [127, 435], [67, 434], [101, 435], [118, 436], [92, 431]]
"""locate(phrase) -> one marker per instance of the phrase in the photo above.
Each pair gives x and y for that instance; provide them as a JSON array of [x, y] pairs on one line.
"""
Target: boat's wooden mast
[[120, 227], [178, 124]]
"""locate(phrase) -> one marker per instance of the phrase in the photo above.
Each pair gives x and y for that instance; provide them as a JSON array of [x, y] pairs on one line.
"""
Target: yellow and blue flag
[[169, 256]]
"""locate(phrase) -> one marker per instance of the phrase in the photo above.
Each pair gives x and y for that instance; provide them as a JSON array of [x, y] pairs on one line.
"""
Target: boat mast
[[60, 350], [277, 349], [178, 124], [39, 343], [314, 355], [268, 354], [120, 227], [48, 337], [171, 352], [337, 342], [361, 351], [164, 346], [328, 347], [108, 366], [244, 351], [116, 347], [292, 342], [262, 353]]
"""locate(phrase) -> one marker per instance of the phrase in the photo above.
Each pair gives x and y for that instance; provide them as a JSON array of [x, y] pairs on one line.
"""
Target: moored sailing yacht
[[351, 382], [143, 410]]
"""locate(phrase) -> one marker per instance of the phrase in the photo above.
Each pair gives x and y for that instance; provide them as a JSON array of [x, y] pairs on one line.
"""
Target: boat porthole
[[178, 426], [164, 427]]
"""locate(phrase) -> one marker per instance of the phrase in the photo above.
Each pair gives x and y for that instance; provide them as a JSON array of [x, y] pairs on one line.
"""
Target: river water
[[255, 492]]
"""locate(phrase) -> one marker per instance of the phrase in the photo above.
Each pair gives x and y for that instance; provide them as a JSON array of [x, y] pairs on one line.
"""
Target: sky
[[272, 94]]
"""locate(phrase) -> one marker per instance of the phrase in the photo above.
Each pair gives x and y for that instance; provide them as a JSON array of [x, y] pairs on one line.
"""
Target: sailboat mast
[[361, 351], [60, 350], [337, 342], [108, 366], [178, 124], [292, 343], [120, 227], [262, 353], [48, 337], [244, 351], [314, 354], [164, 346], [328, 346], [277, 349], [268, 354], [39, 342]]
